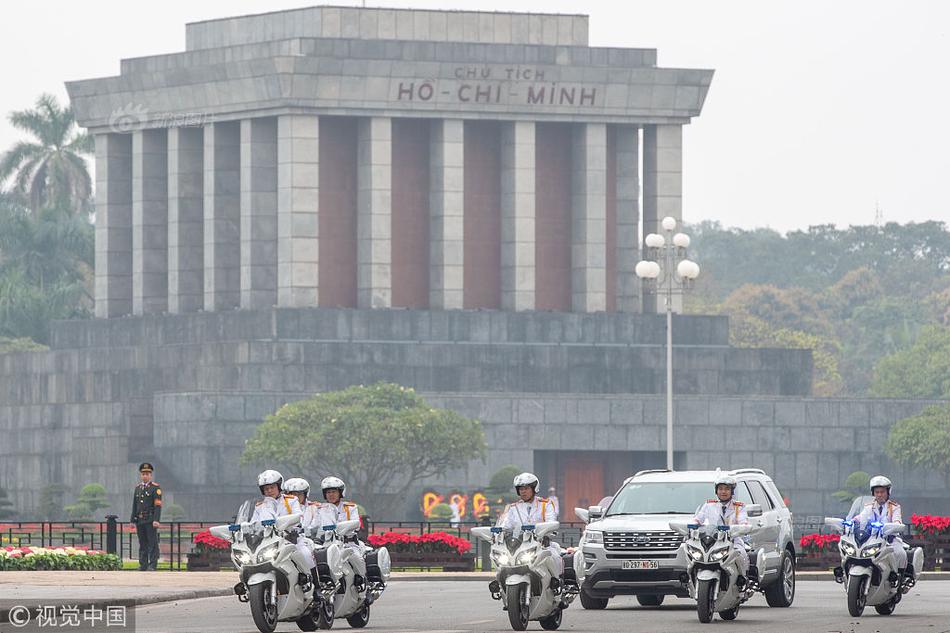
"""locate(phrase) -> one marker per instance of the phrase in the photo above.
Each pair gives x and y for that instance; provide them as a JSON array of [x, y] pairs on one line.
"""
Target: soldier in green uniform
[[146, 514]]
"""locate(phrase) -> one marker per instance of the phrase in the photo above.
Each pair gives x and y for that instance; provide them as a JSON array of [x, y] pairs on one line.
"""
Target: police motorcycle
[[345, 595], [869, 571], [527, 581], [275, 578], [712, 564]]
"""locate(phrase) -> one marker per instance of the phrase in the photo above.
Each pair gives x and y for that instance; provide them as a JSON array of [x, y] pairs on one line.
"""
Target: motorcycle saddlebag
[[378, 565], [570, 575]]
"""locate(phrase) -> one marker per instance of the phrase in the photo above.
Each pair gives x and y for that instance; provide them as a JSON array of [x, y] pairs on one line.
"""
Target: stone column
[[298, 201], [589, 218], [662, 190], [517, 216], [374, 213], [628, 216], [258, 213], [113, 225], [149, 221], [222, 216], [446, 207], [185, 219]]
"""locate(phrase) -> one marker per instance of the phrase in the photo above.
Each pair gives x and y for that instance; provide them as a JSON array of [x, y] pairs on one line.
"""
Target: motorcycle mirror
[[582, 514], [893, 528], [221, 531]]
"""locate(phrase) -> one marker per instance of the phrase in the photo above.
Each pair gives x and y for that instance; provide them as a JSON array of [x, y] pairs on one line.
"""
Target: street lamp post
[[677, 272]]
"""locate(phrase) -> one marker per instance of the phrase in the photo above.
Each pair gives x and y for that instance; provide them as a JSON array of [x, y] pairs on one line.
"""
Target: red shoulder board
[[738, 503], [712, 500]]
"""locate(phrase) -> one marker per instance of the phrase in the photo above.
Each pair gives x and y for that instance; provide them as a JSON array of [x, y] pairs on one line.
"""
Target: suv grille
[[642, 541]]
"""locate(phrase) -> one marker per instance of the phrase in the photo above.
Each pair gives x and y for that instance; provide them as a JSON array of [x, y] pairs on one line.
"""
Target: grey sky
[[818, 112]]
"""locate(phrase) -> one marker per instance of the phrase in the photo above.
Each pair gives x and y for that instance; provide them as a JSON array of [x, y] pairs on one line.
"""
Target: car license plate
[[640, 564]]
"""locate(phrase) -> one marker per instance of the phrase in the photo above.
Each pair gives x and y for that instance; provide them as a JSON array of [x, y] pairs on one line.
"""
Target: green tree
[[50, 169], [855, 485], [441, 512], [172, 512], [52, 498], [6, 506], [749, 331], [382, 440], [922, 441], [92, 498], [13, 345], [922, 371]]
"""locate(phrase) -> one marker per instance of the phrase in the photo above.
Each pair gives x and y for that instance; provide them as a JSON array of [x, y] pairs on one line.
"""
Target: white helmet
[[527, 479], [297, 484], [269, 477], [725, 480], [880, 481], [333, 482]]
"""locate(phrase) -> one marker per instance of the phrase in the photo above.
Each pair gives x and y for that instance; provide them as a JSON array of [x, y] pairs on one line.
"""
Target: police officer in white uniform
[[726, 510], [277, 504], [300, 488], [530, 510], [337, 509], [885, 510]]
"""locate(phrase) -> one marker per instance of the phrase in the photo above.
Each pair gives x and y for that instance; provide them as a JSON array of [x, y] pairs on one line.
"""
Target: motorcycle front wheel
[[705, 600], [517, 609], [324, 614], [856, 597], [263, 612], [359, 619], [553, 621]]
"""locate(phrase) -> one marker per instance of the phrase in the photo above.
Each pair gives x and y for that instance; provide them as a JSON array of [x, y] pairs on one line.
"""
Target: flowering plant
[[420, 543], [56, 558], [928, 524], [817, 543], [206, 541]]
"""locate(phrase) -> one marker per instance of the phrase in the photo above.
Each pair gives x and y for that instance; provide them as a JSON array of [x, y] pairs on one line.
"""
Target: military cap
[[145, 467]]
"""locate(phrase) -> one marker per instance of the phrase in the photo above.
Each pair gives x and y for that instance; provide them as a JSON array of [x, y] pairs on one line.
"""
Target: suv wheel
[[781, 593], [648, 600], [590, 602]]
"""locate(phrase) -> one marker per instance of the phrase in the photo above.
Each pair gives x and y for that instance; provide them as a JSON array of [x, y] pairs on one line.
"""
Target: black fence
[[176, 538]]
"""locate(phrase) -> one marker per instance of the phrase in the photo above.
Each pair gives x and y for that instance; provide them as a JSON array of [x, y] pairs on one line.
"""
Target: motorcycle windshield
[[858, 505], [245, 511], [708, 534], [862, 527]]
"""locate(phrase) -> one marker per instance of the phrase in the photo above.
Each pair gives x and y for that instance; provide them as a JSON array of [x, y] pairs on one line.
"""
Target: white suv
[[629, 548]]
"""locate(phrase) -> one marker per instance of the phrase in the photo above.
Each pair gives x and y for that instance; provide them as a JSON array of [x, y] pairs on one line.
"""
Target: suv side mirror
[[595, 512], [753, 510]]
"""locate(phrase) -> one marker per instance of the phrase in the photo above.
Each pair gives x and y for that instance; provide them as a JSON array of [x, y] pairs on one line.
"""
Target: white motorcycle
[[345, 597], [713, 568], [869, 570], [275, 579], [527, 579]]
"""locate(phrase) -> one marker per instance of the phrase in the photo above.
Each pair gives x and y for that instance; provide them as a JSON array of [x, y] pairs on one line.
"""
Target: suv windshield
[[660, 497]]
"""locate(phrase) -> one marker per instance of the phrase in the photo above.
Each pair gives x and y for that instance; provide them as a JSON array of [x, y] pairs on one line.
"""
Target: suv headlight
[[847, 548], [594, 536], [871, 551], [694, 552], [269, 553]]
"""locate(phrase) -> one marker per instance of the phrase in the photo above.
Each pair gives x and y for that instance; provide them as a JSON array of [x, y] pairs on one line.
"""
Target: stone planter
[[209, 560], [446, 560]]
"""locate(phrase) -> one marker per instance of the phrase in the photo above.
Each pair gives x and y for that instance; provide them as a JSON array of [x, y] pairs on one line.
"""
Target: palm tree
[[50, 170]]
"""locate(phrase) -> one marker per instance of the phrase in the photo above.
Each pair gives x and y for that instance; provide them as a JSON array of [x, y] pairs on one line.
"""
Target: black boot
[[359, 583], [315, 577]]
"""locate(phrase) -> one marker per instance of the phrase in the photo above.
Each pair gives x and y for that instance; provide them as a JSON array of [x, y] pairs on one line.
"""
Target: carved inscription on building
[[495, 85]]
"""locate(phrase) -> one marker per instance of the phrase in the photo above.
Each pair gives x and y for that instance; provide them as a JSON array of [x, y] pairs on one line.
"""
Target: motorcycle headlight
[[871, 551], [719, 554], [694, 552], [847, 548], [240, 558], [501, 558], [526, 558], [269, 553], [594, 536]]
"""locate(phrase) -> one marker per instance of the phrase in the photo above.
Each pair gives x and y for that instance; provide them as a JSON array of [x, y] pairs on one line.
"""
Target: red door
[[583, 477]]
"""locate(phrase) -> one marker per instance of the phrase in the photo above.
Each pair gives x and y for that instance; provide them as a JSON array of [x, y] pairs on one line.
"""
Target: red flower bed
[[432, 542], [207, 541], [928, 524], [818, 543]]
